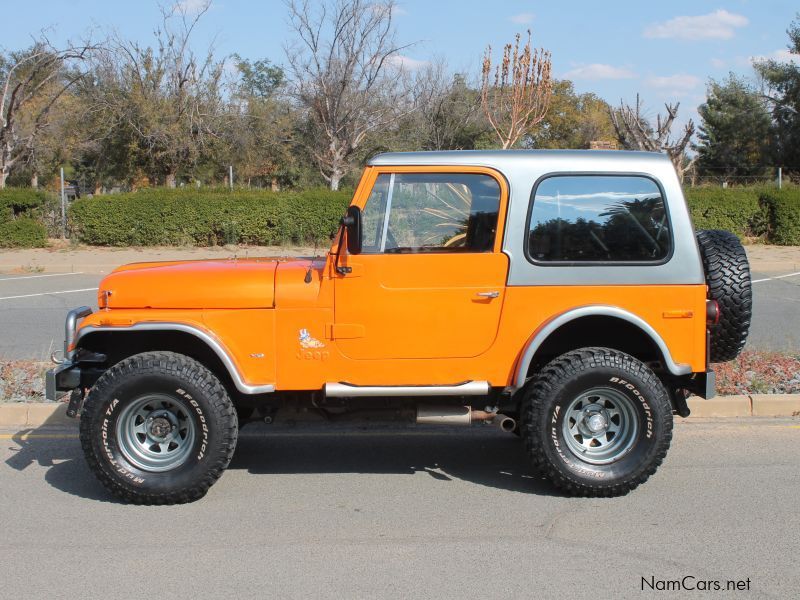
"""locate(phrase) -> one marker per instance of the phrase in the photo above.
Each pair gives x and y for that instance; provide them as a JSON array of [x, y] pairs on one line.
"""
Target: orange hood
[[228, 283]]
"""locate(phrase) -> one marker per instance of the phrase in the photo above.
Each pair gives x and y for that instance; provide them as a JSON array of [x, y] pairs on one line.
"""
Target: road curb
[[34, 414], [754, 405], [37, 414]]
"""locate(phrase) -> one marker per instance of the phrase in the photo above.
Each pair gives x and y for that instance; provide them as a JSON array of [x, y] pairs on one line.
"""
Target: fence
[[725, 177]]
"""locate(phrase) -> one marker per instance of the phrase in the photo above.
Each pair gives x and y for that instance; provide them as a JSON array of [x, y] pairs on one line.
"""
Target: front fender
[[247, 352]]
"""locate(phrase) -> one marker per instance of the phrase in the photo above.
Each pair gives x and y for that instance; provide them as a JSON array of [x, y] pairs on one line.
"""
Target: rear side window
[[598, 218]]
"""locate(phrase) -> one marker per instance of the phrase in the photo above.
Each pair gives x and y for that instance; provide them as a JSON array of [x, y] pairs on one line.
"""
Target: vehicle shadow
[[56, 448], [480, 455], [489, 458]]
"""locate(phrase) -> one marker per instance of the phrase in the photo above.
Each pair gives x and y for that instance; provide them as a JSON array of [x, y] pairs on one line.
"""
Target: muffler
[[428, 414]]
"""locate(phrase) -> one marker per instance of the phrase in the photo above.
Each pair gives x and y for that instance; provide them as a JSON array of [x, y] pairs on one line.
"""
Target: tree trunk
[[35, 180], [274, 186], [336, 178], [170, 180], [5, 164]]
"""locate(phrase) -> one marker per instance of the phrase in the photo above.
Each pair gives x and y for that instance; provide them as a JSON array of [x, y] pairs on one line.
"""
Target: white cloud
[[718, 25], [522, 18], [596, 71], [675, 85], [782, 55], [718, 63], [191, 7], [406, 63]]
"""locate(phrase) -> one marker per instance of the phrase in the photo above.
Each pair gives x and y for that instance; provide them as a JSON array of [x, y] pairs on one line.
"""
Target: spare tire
[[728, 278]]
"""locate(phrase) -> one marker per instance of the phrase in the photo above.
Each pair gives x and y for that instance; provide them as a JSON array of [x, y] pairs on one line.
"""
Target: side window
[[598, 218], [373, 216], [431, 212]]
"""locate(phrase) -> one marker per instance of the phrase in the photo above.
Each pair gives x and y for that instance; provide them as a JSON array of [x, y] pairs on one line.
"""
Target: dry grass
[[22, 380], [757, 372]]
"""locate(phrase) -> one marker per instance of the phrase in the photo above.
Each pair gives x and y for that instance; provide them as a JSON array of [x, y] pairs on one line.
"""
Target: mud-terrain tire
[[596, 422], [158, 428], [728, 278]]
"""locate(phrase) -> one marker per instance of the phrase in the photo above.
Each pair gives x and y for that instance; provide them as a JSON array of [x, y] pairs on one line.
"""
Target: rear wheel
[[596, 422], [158, 428]]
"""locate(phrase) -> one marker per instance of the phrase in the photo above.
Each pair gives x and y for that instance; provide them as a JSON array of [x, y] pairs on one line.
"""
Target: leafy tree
[[573, 120], [783, 81], [170, 97], [259, 79], [735, 130], [261, 126]]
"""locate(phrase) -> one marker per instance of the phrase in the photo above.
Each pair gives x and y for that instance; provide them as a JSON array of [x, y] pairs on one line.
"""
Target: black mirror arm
[[339, 246]]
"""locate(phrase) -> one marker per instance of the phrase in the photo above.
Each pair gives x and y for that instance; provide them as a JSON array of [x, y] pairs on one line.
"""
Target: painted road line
[[776, 277], [38, 436], [40, 276], [48, 293]]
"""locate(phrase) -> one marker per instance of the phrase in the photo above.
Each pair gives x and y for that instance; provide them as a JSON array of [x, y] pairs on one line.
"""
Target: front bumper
[[66, 376], [63, 378]]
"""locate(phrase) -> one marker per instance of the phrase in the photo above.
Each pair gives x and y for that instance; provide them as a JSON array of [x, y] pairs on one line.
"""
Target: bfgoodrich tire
[[596, 422], [158, 428], [728, 278]]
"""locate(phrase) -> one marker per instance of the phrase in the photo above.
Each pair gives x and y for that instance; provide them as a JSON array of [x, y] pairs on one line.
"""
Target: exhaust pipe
[[505, 423], [461, 415]]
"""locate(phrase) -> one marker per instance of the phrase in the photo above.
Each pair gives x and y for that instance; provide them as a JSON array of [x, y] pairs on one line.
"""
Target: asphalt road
[[412, 513], [33, 307]]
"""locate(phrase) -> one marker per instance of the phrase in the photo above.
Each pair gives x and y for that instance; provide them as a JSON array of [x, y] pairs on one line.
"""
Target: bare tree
[[168, 97], [341, 63], [635, 132], [518, 96], [448, 111], [31, 83]]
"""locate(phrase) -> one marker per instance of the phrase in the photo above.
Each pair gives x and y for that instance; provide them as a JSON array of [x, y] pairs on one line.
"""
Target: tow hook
[[75, 403]]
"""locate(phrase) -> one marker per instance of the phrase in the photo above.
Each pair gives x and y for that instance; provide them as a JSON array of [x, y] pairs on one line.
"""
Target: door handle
[[488, 294]]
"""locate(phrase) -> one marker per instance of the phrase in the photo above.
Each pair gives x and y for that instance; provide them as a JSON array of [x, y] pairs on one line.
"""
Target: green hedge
[[207, 217], [784, 215], [23, 232], [20, 218], [738, 210], [14, 201]]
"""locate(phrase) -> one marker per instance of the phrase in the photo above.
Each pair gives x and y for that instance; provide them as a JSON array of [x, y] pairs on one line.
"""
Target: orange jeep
[[560, 295]]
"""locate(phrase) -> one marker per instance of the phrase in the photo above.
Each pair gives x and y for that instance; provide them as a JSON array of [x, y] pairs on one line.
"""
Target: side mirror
[[352, 223]]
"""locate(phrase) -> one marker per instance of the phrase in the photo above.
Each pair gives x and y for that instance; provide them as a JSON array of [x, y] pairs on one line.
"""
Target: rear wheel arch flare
[[575, 328]]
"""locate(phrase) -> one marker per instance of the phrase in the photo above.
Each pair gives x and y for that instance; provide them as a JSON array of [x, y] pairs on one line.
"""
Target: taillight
[[712, 311]]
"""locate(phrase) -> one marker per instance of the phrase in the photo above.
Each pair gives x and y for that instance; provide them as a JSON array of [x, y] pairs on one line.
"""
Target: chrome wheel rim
[[156, 432], [600, 426]]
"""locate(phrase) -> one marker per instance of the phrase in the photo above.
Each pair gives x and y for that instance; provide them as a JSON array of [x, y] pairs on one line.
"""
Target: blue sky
[[664, 50]]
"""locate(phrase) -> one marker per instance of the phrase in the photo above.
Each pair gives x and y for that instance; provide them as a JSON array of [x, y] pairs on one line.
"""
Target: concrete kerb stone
[[776, 405], [34, 414]]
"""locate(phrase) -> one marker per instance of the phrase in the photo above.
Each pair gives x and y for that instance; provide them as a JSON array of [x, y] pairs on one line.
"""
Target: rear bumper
[[704, 384]]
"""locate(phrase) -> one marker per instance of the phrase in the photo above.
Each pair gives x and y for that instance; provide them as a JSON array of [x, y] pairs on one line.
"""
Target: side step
[[346, 390]]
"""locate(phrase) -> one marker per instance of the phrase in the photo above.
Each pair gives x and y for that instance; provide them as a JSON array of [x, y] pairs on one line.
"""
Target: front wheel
[[158, 428], [596, 422]]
